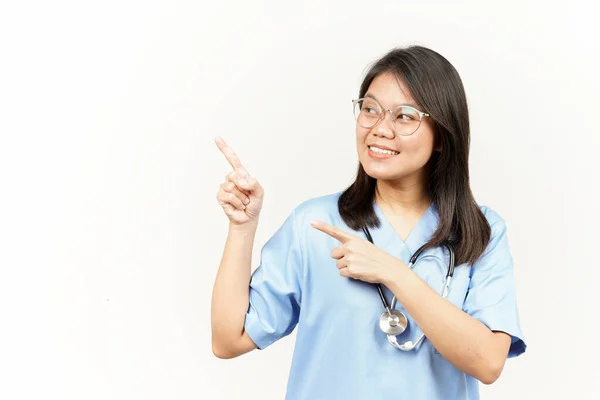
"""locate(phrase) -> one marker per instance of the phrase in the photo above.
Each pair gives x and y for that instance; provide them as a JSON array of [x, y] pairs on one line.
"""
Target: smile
[[377, 150]]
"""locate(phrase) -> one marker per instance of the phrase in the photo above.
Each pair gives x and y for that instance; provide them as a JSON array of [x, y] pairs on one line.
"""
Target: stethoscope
[[394, 322]]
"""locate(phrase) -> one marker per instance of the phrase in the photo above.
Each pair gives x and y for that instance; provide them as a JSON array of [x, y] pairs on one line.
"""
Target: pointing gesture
[[241, 196], [229, 153], [358, 258], [335, 232]]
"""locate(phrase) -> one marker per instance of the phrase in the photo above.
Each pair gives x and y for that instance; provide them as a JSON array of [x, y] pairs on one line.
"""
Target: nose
[[384, 127]]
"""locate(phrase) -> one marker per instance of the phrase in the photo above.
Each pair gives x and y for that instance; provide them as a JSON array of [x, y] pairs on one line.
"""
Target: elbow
[[220, 349], [491, 371], [227, 349], [489, 378], [221, 353], [226, 346]]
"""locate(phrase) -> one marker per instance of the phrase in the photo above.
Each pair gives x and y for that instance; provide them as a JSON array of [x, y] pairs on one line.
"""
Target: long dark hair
[[437, 88]]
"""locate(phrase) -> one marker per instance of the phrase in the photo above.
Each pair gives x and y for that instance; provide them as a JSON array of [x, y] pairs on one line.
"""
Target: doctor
[[340, 270]]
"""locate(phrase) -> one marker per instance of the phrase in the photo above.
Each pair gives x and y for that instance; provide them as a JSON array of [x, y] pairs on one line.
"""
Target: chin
[[384, 173]]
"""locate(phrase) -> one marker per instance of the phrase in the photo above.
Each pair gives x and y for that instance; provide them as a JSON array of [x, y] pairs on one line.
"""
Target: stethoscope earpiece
[[407, 346]]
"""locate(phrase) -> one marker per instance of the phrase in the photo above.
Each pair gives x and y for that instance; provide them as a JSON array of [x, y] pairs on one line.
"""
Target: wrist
[[245, 228], [396, 274]]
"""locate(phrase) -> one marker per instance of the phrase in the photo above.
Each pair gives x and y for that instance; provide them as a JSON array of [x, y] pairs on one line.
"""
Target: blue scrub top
[[340, 352]]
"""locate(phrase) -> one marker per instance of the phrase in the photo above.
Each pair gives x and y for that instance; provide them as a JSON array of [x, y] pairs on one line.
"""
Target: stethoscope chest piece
[[394, 323]]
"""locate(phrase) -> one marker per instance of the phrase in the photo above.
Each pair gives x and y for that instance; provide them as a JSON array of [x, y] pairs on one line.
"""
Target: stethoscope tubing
[[413, 259], [392, 339]]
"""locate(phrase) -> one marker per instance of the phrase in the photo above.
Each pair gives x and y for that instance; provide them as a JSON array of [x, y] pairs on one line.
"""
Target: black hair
[[437, 88]]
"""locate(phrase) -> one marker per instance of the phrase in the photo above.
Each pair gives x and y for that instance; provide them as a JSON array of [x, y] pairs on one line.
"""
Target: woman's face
[[413, 151]]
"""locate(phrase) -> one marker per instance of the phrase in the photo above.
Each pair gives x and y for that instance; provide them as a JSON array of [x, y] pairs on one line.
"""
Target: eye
[[406, 117]]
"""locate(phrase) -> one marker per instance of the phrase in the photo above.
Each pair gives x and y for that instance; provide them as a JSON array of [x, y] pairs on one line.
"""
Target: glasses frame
[[382, 115]]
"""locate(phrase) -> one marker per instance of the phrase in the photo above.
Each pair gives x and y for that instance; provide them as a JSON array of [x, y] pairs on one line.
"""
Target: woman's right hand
[[240, 201]]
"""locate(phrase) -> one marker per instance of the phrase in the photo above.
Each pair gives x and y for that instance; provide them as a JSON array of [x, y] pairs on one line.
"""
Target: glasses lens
[[406, 120], [367, 112]]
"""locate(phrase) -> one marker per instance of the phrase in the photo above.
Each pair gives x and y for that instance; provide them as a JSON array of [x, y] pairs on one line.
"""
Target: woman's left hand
[[358, 258]]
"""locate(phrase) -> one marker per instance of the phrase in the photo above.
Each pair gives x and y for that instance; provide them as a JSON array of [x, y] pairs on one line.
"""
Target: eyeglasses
[[405, 120]]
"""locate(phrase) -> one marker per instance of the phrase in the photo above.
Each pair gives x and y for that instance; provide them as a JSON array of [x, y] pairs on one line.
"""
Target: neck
[[402, 197]]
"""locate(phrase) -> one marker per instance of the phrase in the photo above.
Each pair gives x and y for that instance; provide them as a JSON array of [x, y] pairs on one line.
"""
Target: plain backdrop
[[111, 234]]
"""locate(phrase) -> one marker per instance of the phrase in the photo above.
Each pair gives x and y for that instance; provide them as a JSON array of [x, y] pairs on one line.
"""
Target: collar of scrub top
[[397, 319]]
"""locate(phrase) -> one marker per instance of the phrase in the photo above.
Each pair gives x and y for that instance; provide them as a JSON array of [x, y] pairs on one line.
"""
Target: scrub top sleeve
[[491, 296], [275, 287]]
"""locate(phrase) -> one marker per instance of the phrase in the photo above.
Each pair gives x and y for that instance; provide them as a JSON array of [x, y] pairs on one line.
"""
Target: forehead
[[390, 91]]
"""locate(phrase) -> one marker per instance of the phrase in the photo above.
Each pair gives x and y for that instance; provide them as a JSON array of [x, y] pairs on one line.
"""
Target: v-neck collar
[[387, 238]]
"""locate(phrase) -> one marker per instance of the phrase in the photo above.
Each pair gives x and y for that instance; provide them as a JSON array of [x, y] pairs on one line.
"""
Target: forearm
[[230, 297], [464, 341]]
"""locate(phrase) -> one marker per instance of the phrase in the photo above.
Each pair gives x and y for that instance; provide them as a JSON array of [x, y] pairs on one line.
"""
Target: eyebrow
[[404, 104]]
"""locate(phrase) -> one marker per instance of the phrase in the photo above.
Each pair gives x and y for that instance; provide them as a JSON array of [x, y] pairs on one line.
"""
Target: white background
[[111, 234]]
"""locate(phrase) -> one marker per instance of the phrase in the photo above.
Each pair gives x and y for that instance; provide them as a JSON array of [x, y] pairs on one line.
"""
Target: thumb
[[251, 184]]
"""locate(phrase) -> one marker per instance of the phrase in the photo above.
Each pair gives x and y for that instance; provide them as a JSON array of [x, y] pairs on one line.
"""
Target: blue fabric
[[340, 353]]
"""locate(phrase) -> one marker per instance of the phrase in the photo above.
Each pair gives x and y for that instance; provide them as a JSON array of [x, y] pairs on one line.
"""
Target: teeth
[[381, 151]]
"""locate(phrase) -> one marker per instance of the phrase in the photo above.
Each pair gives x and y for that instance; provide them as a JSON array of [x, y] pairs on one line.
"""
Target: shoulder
[[323, 208], [494, 219], [497, 226]]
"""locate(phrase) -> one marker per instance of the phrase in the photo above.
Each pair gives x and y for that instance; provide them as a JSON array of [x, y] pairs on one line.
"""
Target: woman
[[319, 269]]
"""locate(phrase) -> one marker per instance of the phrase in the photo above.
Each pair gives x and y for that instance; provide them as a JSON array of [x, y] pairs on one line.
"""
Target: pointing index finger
[[332, 231], [228, 153]]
